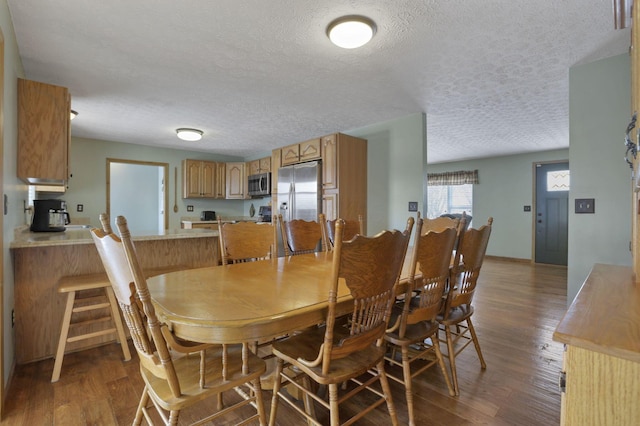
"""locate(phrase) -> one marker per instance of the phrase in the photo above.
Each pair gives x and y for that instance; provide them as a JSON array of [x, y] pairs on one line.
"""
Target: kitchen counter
[[40, 259], [225, 219], [24, 238]]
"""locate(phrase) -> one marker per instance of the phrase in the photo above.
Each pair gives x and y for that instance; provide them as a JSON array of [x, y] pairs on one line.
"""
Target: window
[[449, 199], [558, 180]]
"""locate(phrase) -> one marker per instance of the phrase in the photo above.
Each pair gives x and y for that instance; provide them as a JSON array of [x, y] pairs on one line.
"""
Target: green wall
[[599, 99]]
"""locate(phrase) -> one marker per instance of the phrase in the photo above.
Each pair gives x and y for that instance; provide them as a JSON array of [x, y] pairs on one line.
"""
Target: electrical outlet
[[585, 205], [80, 208], [413, 206], [189, 208]]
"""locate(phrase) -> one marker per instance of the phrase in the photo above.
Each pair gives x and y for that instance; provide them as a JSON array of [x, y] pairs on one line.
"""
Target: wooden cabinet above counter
[[43, 133]]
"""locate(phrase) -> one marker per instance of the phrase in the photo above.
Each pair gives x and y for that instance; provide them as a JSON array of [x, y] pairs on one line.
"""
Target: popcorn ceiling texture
[[491, 75]]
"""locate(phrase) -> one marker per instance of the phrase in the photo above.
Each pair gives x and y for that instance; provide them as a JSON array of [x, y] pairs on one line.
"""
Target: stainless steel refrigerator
[[299, 191]]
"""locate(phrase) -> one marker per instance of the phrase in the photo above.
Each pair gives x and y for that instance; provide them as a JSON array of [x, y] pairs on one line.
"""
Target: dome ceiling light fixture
[[350, 32], [189, 134]]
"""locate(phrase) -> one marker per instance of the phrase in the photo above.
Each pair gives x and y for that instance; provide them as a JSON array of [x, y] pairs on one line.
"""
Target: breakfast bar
[[40, 259]]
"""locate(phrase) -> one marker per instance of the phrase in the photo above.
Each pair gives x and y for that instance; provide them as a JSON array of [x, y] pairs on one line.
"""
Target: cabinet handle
[[562, 381]]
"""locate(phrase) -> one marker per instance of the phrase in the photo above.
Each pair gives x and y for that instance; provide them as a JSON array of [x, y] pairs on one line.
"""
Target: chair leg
[[452, 359], [406, 373], [436, 345], [276, 389], [333, 404], [259, 401], [64, 333], [115, 314], [476, 343], [144, 400], [386, 389]]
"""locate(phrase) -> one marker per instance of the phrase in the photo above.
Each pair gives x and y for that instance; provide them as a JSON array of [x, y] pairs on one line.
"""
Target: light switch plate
[[585, 205], [413, 206]]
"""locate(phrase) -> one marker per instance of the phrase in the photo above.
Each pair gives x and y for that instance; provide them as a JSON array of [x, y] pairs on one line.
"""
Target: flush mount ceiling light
[[189, 134], [352, 31], [73, 114]]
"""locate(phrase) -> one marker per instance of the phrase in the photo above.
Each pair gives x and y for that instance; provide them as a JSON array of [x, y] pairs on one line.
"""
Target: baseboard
[[508, 259]]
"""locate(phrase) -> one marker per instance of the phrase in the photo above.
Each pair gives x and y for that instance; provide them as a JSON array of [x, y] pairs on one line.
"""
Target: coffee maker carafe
[[49, 216]]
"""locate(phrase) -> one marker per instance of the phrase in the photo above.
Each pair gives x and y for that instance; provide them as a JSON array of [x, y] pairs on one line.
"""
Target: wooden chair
[[350, 230], [414, 328], [177, 373], [245, 241], [300, 236], [337, 352], [455, 318]]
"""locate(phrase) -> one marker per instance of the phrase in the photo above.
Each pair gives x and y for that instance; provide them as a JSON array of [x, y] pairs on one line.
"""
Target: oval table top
[[248, 301]]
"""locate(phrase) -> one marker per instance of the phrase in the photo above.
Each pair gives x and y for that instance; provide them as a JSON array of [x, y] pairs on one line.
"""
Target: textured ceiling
[[491, 75]]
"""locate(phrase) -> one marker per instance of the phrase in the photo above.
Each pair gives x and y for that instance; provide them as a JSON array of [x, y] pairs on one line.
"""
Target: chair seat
[[187, 368], [456, 315], [306, 345], [415, 333]]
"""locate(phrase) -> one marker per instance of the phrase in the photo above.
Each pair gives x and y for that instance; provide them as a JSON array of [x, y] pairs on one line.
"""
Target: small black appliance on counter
[[49, 216], [264, 214], [208, 215]]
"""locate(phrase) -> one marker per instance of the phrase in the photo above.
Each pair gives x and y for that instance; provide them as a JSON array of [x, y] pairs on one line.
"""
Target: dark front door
[[552, 201]]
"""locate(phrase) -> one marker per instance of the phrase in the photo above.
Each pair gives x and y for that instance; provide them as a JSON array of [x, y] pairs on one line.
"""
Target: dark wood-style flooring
[[518, 306]]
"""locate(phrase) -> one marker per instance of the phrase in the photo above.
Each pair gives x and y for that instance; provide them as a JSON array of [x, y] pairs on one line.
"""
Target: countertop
[[225, 219], [24, 238], [605, 315]]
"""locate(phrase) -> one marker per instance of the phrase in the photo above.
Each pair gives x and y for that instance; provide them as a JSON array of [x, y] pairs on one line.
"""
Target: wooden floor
[[517, 309]]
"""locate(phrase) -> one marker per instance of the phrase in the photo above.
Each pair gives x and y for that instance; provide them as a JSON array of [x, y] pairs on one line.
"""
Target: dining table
[[250, 301]]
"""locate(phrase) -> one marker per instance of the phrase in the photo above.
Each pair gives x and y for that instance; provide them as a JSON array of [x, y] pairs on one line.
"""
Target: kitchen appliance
[[259, 185], [208, 215], [49, 216], [299, 191], [264, 214]]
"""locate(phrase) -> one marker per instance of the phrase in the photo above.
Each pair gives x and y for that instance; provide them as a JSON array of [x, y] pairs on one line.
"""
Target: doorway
[[137, 191], [551, 212]]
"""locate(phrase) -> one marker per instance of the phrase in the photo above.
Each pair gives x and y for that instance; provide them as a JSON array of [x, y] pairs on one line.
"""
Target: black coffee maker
[[49, 216]]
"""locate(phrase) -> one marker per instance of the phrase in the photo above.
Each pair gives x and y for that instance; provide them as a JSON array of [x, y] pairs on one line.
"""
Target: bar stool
[[73, 286]]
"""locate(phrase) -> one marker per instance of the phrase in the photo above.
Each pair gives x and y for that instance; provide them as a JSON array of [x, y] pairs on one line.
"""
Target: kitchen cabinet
[[301, 152], [602, 359], [220, 188], [201, 179], [236, 181], [262, 165], [344, 173], [200, 225], [43, 133], [344, 176]]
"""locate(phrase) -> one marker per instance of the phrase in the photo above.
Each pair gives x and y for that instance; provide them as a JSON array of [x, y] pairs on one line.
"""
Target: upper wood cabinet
[[43, 133], [262, 165], [200, 179], [301, 152], [236, 181]]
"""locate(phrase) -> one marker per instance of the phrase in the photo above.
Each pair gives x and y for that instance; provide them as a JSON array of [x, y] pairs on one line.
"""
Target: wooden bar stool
[[73, 285]]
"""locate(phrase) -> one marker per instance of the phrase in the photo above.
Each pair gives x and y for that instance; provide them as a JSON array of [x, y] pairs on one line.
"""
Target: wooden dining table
[[250, 301]]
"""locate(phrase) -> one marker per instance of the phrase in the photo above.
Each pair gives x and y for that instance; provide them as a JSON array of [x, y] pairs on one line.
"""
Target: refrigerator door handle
[[292, 188]]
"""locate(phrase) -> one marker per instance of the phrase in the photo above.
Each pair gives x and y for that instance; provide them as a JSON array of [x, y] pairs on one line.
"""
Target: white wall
[[505, 187], [599, 100]]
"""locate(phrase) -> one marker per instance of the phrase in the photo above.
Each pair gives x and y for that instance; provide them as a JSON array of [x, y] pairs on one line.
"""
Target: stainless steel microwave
[[259, 185]]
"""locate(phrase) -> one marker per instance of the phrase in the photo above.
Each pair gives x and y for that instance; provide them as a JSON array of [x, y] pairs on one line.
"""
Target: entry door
[[552, 201]]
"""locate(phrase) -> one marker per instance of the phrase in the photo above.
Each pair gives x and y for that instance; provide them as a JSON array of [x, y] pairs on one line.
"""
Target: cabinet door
[[265, 165], [330, 205], [43, 132], [208, 179], [310, 150], [254, 167], [291, 154], [220, 181], [329, 162], [235, 180], [191, 179]]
